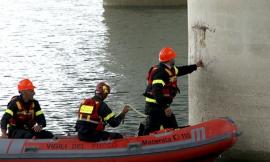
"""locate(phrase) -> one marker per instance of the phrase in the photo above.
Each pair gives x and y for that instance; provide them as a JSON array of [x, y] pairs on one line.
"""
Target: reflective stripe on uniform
[[86, 109], [109, 116], [161, 127], [176, 70], [10, 112], [90, 121], [150, 100], [88, 118], [169, 72], [158, 81], [19, 105], [39, 112], [33, 105], [33, 113]]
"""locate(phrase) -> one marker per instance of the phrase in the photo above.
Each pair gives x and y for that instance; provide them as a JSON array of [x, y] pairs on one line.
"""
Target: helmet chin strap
[[102, 96]]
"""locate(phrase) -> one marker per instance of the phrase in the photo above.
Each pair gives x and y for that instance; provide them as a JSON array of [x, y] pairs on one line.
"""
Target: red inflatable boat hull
[[202, 142]]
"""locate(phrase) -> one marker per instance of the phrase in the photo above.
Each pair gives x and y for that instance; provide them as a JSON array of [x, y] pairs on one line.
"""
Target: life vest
[[149, 76], [24, 117], [88, 112], [170, 88]]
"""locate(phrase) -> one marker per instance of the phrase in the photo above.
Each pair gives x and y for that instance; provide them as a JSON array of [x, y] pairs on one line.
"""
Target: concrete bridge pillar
[[232, 37], [161, 3]]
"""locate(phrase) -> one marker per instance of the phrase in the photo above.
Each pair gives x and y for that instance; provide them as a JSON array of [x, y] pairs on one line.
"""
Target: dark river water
[[67, 46]]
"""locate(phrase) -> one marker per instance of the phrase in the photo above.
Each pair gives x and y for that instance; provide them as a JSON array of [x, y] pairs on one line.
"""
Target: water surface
[[67, 47]]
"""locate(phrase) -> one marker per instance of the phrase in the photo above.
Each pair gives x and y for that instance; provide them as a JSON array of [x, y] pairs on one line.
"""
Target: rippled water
[[67, 46]]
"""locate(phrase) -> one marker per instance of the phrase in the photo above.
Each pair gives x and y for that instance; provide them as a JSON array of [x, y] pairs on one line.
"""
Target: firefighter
[[23, 117], [161, 90], [94, 114]]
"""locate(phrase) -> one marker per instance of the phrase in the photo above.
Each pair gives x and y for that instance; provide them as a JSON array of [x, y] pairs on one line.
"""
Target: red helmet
[[166, 54], [25, 84], [103, 88]]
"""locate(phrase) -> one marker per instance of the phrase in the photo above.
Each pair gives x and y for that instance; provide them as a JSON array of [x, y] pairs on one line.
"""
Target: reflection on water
[[66, 47]]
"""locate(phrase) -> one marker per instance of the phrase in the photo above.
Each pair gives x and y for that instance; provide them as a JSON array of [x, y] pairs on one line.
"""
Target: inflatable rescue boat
[[201, 142]]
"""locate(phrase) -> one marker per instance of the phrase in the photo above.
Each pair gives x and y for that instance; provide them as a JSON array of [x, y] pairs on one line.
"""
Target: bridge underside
[[158, 3]]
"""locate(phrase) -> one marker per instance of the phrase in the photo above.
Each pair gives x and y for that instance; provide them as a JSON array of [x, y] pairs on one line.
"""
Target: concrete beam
[[143, 3]]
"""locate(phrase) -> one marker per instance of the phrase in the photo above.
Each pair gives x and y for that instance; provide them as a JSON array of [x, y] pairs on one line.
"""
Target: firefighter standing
[[23, 117], [161, 90], [94, 114]]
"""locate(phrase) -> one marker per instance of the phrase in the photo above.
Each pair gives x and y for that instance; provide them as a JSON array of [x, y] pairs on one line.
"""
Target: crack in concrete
[[200, 33]]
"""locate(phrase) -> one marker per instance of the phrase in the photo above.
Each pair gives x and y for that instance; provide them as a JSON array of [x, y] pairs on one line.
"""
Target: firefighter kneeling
[[23, 117], [94, 114]]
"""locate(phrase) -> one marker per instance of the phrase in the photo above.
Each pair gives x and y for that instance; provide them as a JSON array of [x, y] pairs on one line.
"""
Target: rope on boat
[[138, 112]]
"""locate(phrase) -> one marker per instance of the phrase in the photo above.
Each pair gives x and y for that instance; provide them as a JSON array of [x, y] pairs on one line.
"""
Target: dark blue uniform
[[160, 92], [87, 130], [20, 117]]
